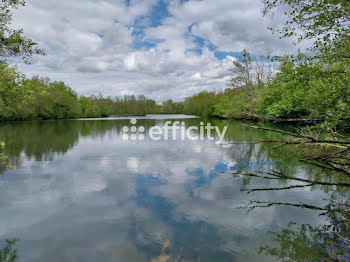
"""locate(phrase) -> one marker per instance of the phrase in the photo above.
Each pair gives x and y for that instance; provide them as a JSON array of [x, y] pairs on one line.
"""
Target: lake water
[[81, 192]]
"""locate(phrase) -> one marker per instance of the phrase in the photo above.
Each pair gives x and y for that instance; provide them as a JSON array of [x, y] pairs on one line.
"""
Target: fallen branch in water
[[278, 176], [254, 142], [302, 139], [338, 162], [251, 190], [252, 175], [277, 131], [311, 139], [259, 204]]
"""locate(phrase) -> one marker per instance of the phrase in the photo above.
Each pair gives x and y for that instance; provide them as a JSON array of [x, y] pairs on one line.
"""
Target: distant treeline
[[40, 98]]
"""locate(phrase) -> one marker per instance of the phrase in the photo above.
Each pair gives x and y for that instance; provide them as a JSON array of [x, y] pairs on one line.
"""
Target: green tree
[[201, 104], [308, 89], [242, 74], [315, 86], [13, 42], [233, 103], [9, 253], [325, 22], [4, 160], [10, 93]]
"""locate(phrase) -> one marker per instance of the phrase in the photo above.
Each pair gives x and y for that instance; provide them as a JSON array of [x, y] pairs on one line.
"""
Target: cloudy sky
[[160, 48]]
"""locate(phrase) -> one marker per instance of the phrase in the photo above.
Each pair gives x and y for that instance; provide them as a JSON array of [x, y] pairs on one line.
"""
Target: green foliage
[[202, 104], [40, 98], [309, 89], [4, 160], [242, 70], [316, 86], [131, 105], [242, 74], [10, 94], [23, 99], [325, 22], [302, 88], [304, 243], [233, 105], [94, 106], [13, 42], [296, 244], [171, 107], [89, 110], [9, 253]]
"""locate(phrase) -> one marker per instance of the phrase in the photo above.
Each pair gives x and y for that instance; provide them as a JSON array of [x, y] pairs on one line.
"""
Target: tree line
[[40, 98]]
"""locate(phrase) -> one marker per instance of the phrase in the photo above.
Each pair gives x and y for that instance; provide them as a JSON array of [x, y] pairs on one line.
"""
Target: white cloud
[[91, 44]]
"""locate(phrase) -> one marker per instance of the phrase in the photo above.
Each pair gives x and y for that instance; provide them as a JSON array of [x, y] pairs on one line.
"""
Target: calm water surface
[[82, 193]]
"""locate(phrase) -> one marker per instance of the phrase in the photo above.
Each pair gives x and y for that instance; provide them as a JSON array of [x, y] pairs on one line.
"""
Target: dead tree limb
[[259, 204]]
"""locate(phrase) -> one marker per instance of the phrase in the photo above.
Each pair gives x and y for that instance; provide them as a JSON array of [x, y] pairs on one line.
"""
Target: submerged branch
[[277, 131], [261, 204], [337, 162], [279, 176], [252, 175], [254, 142], [251, 190], [312, 139]]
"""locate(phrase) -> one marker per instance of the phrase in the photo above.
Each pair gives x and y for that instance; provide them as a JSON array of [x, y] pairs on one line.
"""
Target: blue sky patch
[[153, 19]]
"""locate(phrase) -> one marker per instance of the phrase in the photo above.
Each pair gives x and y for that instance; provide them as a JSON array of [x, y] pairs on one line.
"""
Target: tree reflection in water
[[327, 242], [330, 242]]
